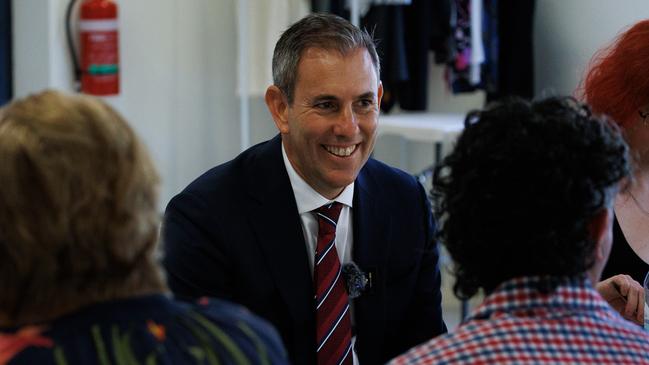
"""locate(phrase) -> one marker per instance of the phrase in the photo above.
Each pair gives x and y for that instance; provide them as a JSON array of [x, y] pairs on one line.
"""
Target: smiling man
[[332, 247]]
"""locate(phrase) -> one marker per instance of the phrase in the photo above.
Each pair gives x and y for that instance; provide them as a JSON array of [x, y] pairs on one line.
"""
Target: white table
[[441, 129]]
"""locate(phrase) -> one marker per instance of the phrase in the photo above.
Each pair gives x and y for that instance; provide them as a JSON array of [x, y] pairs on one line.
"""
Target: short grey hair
[[326, 31]]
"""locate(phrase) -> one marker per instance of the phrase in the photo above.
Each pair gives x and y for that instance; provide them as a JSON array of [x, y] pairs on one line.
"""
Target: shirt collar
[[522, 296], [306, 197]]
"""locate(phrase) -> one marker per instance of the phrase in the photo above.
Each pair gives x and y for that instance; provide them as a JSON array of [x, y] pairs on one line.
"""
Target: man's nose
[[347, 122]]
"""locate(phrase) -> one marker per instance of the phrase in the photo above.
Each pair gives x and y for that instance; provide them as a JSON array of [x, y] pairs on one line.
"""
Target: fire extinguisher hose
[[76, 69]]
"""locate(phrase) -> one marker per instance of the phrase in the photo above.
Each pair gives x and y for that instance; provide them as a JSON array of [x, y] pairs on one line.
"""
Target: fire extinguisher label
[[97, 25], [99, 49], [99, 57]]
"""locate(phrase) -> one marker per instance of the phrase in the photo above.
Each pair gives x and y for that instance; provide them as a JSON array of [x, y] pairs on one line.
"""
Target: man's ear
[[601, 232], [277, 104], [379, 93]]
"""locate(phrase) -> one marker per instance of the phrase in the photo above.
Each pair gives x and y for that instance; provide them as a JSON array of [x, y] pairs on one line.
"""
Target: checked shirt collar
[[521, 297]]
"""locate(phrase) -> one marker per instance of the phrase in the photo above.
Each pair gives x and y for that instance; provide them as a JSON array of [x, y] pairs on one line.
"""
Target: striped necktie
[[333, 321]]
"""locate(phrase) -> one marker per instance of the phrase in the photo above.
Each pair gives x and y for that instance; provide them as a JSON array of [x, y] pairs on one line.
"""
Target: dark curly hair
[[516, 195]]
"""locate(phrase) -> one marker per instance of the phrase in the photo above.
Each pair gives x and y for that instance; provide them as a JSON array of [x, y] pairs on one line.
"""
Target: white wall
[[568, 32], [178, 69], [178, 60]]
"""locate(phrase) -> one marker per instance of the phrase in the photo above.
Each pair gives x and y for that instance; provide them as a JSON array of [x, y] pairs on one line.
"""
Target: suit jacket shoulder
[[235, 233], [246, 173], [384, 178]]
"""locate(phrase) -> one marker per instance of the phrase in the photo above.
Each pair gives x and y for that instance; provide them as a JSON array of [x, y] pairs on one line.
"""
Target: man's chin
[[341, 183]]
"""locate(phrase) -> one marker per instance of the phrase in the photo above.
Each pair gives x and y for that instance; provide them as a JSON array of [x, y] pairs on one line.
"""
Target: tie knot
[[329, 212]]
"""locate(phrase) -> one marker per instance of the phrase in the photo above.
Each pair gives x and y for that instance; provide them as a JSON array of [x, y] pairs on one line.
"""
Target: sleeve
[[194, 251], [242, 335]]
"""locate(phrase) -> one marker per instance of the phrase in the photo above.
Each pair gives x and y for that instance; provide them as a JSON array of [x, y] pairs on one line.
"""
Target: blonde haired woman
[[78, 229]]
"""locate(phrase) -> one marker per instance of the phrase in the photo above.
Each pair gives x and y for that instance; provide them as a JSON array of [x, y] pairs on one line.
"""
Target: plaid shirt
[[517, 324]]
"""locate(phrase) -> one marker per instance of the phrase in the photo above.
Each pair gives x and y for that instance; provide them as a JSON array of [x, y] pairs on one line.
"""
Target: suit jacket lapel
[[279, 231]]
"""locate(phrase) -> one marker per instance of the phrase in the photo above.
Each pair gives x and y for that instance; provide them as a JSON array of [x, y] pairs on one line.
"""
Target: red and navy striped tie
[[333, 321]]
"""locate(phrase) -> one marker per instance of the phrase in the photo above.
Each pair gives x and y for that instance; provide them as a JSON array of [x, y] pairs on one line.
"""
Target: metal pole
[[242, 71]]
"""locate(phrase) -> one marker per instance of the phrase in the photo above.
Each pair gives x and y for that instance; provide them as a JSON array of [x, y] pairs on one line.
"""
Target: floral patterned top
[[147, 330]]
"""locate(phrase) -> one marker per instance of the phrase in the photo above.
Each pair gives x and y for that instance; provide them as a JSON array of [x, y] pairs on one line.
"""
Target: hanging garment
[[490, 38], [465, 71], [441, 37], [506, 33], [477, 49], [320, 6], [342, 7], [405, 37], [420, 28], [515, 49], [387, 24], [364, 5]]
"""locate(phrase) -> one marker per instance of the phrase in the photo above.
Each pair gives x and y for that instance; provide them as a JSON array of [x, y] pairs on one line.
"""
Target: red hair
[[617, 83]]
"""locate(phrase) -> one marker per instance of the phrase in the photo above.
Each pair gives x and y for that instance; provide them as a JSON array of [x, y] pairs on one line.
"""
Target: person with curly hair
[[524, 203], [617, 84], [80, 282]]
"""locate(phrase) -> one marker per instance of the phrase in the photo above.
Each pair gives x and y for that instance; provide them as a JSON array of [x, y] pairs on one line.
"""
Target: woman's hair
[[617, 82], [78, 207]]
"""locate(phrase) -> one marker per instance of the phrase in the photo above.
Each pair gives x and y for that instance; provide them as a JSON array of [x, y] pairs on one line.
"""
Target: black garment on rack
[[320, 6], [406, 34], [441, 30], [5, 52], [427, 27], [515, 50], [490, 37], [334, 6], [387, 24]]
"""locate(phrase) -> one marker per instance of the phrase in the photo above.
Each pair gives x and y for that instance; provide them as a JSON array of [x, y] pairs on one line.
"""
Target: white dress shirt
[[307, 200]]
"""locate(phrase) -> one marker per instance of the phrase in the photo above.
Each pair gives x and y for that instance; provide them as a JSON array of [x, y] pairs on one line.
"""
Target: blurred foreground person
[[79, 281], [525, 208]]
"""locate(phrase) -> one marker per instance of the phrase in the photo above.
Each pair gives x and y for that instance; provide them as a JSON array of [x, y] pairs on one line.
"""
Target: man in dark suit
[[260, 230]]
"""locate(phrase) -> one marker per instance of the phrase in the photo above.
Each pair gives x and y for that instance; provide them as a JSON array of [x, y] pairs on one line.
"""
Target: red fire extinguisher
[[99, 47]]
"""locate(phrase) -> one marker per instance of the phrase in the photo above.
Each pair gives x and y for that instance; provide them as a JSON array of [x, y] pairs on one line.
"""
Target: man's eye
[[366, 103], [325, 105]]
